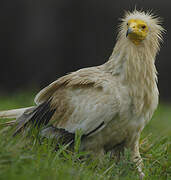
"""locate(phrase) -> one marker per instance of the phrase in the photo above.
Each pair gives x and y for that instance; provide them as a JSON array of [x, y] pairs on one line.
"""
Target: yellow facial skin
[[137, 30]]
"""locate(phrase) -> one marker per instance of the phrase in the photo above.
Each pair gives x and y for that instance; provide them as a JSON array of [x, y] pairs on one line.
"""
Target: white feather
[[14, 113]]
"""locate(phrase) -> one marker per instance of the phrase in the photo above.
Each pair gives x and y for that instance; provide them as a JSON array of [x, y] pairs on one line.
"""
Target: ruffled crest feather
[[153, 21]]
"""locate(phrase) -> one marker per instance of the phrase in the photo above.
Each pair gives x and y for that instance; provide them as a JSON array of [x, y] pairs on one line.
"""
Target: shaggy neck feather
[[135, 66]]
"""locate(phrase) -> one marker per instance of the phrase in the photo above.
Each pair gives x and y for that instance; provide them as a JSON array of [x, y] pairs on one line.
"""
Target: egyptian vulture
[[110, 103]]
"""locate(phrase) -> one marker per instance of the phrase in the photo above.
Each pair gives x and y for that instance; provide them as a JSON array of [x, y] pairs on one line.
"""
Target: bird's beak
[[128, 31]]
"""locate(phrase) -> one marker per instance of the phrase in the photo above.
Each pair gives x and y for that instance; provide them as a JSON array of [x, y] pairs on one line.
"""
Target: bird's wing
[[82, 100], [88, 76]]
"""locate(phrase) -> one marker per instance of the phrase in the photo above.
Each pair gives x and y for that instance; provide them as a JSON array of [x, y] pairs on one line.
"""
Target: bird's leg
[[133, 146], [136, 158]]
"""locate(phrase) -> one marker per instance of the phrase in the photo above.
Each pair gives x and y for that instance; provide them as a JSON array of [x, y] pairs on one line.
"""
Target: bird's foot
[[139, 165], [141, 175]]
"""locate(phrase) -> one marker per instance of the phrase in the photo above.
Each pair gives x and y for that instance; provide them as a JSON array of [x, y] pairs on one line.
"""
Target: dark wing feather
[[39, 115]]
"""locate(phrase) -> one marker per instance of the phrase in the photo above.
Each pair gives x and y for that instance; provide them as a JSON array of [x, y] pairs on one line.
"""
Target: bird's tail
[[36, 116], [12, 114]]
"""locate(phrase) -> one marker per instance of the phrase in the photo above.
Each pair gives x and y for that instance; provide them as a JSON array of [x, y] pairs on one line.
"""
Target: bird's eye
[[143, 27], [127, 24]]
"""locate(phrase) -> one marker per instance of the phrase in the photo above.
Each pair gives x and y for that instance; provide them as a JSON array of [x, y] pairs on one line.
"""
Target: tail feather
[[9, 123], [14, 113], [10, 114], [35, 116], [38, 115]]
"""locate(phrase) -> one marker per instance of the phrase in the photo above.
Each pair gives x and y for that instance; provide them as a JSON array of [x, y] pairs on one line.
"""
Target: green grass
[[28, 158]]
